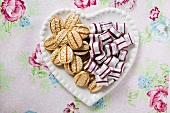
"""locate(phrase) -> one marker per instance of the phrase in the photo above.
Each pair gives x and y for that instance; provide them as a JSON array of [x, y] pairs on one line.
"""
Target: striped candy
[[122, 55], [114, 76], [106, 25], [114, 32], [111, 49], [111, 61], [100, 81], [121, 43], [119, 67], [91, 67], [103, 71], [105, 37], [120, 27], [101, 58], [97, 48], [129, 40], [95, 28]]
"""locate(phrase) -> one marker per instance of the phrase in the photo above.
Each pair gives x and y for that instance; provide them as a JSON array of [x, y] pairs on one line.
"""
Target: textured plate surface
[[107, 14]]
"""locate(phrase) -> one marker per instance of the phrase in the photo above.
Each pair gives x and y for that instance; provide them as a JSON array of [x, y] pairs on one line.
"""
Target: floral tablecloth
[[27, 86]]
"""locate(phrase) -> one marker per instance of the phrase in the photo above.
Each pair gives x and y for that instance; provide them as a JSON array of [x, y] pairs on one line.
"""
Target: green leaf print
[[164, 66], [23, 59], [149, 4], [45, 85], [132, 96], [145, 36], [42, 74], [104, 2], [32, 7]]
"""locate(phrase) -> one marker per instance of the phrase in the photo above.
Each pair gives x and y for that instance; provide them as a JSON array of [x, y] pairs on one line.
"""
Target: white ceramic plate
[[103, 15]]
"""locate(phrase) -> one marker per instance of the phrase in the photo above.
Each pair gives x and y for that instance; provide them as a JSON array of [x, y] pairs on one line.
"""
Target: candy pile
[[108, 52]]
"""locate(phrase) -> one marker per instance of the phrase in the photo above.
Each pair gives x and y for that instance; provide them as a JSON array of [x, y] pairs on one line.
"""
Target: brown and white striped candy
[[62, 37], [91, 67], [74, 39], [82, 29], [114, 32], [129, 40], [92, 87], [101, 82], [97, 48], [66, 54], [55, 57], [50, 43], [106, 25], [111, 49], [71, 20], [121, 43], [101, 58], [122, 55], [114, 76], [56, 25], [95, 28], [103, 71], [105, 37], [121, 27], [82, 78], [111, 61]]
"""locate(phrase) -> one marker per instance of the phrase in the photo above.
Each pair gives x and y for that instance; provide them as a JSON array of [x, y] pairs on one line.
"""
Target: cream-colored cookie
[[66, 54], [84, 49], [93, 86], [74, 39], [50, 43], [68, 68], [55, 57], [82, 29], [56, 25], [71, 20], [82, 78], [62, 37]]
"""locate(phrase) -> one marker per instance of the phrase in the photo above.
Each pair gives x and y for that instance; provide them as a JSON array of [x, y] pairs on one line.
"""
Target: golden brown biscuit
[[68, 68], [62, 37], [93, 86], [82, 29], [74, 39], [66, 54], [84, 49], [56, 25], [71, 20], [55, 58], [50, 43], [82, 78]]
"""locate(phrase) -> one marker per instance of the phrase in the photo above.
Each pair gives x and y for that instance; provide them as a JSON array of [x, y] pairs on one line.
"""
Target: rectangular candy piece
[[101, 82], [114, 76], [91, 66], [103, 71], [101, 58], [110, 81], [119, 67], [111, 61], [106, 25], [97, 48], [122, 55], [95, 28], [129, 40], [114, 32], [93, 38], [111, 49], [120, 27], [105, 37], [121, 43]]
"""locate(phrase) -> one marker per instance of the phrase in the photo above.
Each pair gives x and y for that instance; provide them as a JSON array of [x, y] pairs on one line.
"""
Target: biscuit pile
[[70, 46]]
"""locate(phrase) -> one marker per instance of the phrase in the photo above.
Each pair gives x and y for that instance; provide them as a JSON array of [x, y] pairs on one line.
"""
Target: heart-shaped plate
[[103, 15]]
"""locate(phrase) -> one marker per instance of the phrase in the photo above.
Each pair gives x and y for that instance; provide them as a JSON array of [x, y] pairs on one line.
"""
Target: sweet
[[56, 25], [92, 87], [55, 57], [84, 49], [71, 20], [62, 37], [105, 25], [82, 78], [50, 43], [121, 27], [66, 54]]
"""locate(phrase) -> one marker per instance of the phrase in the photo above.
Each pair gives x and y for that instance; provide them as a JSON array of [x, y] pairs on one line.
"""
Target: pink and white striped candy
[[119, 67], [129, 40], [101, 58], [111, 49], [111, 61], [100, 81], [114, 76], [121, 43], [105, 37], [103, 71], [95, 28], [106, 25], [122, 55], [114, 32], [91, 67], [97, 48], [120, 27], [93, 38]]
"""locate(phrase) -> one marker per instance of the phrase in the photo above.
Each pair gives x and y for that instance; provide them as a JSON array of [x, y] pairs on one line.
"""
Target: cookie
[[62, 37], [71, 20], [56, 25], [68, 68], [55, 58], [66, 54], [92, 87], [82, 78], [82, 29], [50, 43], [74, 39], [84, 49]]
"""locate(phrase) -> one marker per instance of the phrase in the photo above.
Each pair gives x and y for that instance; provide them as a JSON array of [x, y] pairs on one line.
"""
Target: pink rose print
[[36, 59], [158, 97], [71, 108], [154, 13], [127, 5], [84, 4], [12, 10]]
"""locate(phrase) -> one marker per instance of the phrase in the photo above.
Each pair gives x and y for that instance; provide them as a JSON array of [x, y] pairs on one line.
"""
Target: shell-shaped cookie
[[84, 49], [55, 57], [82, 78], [74, 39], [62, 37], [93, 86], [50, 43], [82, 29], [56, 25], [71, 20], [66, 54], [68, 68]]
